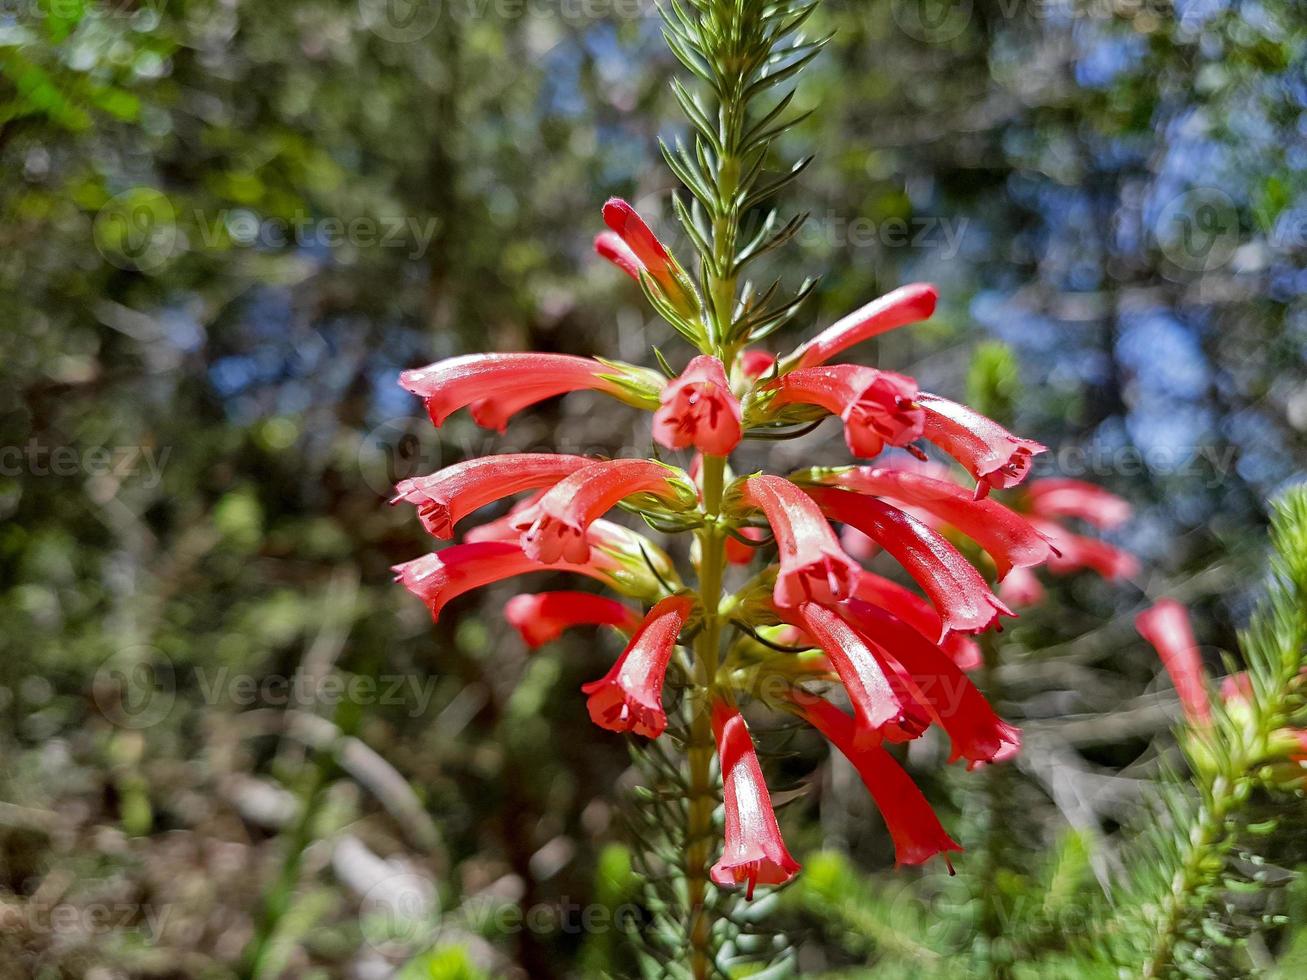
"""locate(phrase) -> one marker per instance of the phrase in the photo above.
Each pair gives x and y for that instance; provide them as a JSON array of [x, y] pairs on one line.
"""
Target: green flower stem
[[703, 789], [712, 555]]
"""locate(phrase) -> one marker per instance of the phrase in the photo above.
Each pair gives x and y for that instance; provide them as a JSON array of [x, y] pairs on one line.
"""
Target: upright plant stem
[[712, 560], [703, 791]]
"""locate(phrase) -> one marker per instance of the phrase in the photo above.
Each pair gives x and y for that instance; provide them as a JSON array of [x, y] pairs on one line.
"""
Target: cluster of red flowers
[[899, 657]]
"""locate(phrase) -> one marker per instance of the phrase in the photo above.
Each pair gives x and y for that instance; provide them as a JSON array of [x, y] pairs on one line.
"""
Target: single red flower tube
[[991, 454], [541, 617], [813, 565], [962, 598], [911, 821], [444, 498], [754, 852], [629, 698], [907, 304], [1166, 626]]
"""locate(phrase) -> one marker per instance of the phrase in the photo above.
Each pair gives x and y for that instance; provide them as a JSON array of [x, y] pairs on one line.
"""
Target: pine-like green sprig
[[742, 51], [1201, 860]]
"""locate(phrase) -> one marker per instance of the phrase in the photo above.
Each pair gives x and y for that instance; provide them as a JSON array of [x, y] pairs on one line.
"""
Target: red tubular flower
[[956, 589], [653, 257], [756, 363], [754, 850], [446, 497], [1074, 552], [917, 833], [555, 527], [438, 577], [954, 703], [1056, 497], [876, 407], [630, 554], [907, 304], [699, 409], [739, 553], [919, 614], [541, 617], [813, 565], [610, 245], [1166, 626], [629, 697], [991, 454], [1021, 588], [881, 702], [1009, 539], [500, 384]]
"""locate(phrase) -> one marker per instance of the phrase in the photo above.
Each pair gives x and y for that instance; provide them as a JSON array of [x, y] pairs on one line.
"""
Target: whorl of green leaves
[[744, 52], [1201, 880]]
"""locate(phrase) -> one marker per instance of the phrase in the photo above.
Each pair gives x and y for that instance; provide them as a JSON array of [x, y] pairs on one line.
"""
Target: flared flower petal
[[500, 384], [652, 256], [907, 304], [919, 614], [640, 569], [541, 617], [446, 497], [813, 565], [912, 824], [954, 703], [699, 409], [438, 577], [1057, 497], [885, 709], [1008, 538], [877, 408], [629, 698], [1074, 552], [555, 529], [962, 598], [991, 454], [754, 852], [1166, 626]]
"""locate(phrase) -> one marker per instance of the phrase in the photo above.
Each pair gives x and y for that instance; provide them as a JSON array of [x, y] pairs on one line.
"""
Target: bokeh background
[[225, 227]]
